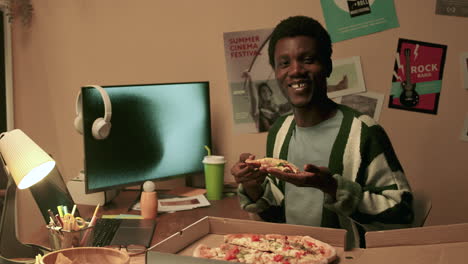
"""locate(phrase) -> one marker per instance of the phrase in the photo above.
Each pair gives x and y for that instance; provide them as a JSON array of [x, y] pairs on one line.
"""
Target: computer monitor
[[159, 131]]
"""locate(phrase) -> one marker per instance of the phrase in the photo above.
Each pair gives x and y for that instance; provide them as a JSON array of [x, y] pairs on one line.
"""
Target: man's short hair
[[303, 26]]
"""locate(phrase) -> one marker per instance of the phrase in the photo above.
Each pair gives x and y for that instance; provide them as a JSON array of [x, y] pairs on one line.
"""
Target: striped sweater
[[372, 194]]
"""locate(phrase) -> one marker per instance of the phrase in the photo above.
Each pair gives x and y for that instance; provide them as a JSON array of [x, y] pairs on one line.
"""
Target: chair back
[[421, 206]]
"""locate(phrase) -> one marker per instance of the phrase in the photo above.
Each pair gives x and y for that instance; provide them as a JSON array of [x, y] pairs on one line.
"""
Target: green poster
[[346, 19]]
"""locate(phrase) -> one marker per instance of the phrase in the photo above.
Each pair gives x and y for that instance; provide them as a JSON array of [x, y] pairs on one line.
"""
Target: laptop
[[111, 231]]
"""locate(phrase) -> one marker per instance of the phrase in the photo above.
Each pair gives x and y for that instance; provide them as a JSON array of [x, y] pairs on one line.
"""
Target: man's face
[[298, 70], [265, 93]]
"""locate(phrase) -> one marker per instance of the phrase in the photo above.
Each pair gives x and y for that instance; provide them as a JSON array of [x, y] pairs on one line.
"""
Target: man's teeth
[[298, 85]]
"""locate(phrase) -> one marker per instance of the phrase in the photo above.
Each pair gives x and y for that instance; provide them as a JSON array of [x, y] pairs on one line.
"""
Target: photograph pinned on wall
[[464, 69], [452, 8], [346, 19], [257, 100], [368, 103], [417, 76], [346, 78], [464, 132]]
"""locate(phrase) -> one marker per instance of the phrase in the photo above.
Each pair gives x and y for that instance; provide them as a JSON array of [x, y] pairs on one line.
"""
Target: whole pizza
[[269, 249]]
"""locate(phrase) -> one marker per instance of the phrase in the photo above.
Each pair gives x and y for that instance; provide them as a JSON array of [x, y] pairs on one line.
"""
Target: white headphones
[[101, 126]]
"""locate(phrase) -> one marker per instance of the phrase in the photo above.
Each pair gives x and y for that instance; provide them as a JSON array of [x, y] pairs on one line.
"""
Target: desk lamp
[[27, 164]]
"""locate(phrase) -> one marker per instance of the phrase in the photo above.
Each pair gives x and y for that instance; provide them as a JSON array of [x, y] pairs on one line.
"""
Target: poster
[[464, 69], [368, 103], [452, 8], [346, 19], [346, 78], [256, 98], [417, 76]]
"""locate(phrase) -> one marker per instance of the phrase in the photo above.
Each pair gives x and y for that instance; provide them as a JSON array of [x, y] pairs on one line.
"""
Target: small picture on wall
[[346, 78], [464, 69], [452, 8], [464, 133], [368, 103]]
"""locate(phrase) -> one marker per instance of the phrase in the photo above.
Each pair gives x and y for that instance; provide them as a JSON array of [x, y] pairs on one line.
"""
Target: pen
[[59, 220], [52, 216]]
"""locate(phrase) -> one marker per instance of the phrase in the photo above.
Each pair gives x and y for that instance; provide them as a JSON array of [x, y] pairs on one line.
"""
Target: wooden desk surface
[[166, 224]]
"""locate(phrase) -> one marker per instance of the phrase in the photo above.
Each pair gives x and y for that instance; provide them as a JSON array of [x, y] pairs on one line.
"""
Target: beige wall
[[76, 42]]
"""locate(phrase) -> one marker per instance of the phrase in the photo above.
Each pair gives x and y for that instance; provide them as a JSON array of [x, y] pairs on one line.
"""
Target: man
[[351, 176]]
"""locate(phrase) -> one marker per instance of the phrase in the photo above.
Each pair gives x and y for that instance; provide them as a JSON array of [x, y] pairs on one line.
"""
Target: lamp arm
[[10, 246]]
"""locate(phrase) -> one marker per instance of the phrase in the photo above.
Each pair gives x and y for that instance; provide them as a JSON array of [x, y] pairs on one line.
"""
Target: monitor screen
[[158, 131]]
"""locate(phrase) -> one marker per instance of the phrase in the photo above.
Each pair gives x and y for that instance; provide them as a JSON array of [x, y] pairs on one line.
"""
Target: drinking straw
[[208, 150]]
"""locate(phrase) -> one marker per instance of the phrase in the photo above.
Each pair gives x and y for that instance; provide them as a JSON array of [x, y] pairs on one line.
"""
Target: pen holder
[[60, 239]]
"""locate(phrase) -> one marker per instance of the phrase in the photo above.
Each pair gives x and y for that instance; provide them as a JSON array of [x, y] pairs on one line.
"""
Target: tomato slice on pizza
[[279, 164]]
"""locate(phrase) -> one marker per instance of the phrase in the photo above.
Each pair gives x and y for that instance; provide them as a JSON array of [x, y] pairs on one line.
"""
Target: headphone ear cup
[[79, 123], [101, 128]]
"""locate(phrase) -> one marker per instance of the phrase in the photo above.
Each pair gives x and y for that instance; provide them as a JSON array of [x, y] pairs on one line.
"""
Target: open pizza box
[[430, 244], [210, 231]]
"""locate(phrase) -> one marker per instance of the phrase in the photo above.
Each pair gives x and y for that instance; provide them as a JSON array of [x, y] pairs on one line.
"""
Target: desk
[[449, 251], [167, 223]]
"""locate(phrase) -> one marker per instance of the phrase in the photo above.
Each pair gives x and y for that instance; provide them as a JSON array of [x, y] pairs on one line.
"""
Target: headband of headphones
[[101, 126]]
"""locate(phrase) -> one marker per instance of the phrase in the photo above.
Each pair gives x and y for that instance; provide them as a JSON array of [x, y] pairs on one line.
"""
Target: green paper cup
[[214, 176]]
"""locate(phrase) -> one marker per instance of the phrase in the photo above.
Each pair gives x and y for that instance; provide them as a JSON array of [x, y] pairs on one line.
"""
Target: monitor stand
[[77, 189]]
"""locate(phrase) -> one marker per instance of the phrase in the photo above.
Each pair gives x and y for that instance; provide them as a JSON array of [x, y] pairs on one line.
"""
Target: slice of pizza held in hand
[[279, 164]]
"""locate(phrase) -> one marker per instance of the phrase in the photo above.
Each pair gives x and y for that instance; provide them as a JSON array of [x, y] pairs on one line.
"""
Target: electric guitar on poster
[[409, 97]]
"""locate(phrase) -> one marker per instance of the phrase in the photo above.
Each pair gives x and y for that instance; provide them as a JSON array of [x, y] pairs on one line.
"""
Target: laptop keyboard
[[104, 231]]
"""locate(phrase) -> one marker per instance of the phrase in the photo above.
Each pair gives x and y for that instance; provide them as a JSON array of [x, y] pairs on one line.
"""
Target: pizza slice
[[303, 249], [280, 164], [228, 252], [313, 246]]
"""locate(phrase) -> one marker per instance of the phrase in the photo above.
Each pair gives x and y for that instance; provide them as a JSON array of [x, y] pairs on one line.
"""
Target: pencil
[[93, 219], [91, 223]]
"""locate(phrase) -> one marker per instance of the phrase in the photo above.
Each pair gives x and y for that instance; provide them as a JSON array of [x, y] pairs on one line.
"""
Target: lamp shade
[[25, 160]]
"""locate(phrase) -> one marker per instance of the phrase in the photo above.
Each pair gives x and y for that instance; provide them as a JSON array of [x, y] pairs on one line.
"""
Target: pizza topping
[[287, 248], [255, 238], [278, 258]]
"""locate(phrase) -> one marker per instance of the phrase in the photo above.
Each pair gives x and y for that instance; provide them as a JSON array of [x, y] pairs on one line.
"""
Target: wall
[[76, 42]]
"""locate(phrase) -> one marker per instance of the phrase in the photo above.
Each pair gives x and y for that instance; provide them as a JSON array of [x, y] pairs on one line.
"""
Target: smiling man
[[351, 176]]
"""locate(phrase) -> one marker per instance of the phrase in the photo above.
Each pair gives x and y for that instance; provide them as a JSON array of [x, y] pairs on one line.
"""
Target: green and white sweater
[[372, 194]]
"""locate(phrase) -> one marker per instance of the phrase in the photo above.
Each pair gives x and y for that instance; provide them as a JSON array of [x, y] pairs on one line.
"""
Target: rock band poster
[[417, 76]]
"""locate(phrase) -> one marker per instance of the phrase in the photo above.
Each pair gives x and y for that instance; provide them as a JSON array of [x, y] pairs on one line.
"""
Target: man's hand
[[312, 176], [249, 176]]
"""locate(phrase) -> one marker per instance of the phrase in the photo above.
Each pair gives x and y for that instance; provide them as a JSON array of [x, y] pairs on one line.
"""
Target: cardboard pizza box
[[179, 247], [425, 245], [428, 235]]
